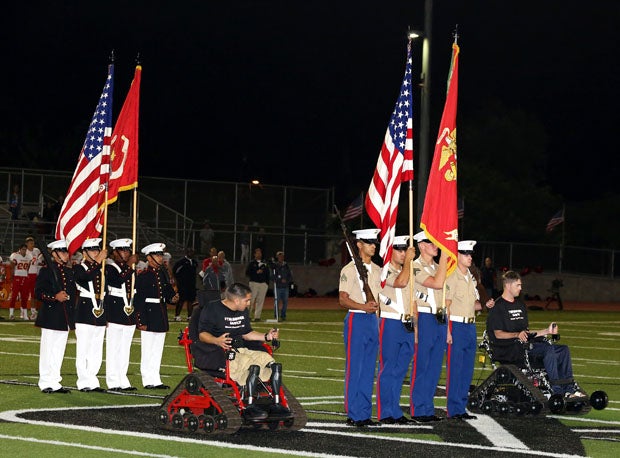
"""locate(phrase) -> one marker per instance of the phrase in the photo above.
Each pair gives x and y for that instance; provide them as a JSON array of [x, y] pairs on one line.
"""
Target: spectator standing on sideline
[[258, 273], [361, 330], [488, 277], [226, 273], [153, 293], [120, 314], [33, 271], [207, 234], [90, 319], [185, 273], [244, 241], [283, 278], [55, 287], [21, 261], [396, 343], [432, 334], [462, 301], [15, 203]]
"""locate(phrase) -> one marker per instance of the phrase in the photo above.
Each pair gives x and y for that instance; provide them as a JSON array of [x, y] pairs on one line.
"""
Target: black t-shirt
[[217, 319], [510, 317]]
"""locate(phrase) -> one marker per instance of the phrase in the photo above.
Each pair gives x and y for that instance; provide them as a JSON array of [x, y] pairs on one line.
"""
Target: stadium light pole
[[425, 105]]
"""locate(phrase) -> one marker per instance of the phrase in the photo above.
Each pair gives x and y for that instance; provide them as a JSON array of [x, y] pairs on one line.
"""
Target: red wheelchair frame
[[214, 403]]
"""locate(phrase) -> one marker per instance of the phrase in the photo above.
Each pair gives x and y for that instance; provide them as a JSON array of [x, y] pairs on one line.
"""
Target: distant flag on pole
[[555, 220], [395, 164], [124, 143], [461, 208], [440, 215], [81, 213], [355, 208]]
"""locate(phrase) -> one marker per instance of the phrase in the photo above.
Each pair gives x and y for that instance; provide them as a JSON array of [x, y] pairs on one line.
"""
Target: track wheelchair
[[211, 402], [521, 387]]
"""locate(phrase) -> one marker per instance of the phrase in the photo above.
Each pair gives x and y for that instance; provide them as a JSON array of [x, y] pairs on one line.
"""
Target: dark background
[[300, 93]]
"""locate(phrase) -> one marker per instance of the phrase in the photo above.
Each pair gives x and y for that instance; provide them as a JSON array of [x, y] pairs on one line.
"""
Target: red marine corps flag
[[440, 216], [395, 165], [124, 145], [81, 214]]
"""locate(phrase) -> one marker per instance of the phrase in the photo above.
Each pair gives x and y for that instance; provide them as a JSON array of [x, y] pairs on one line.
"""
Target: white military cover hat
[[467, 246], [400, 241], [121, 243], [367, 234], [420, 237], [167, 256], [154, 248], [92, 243], [58, 245]]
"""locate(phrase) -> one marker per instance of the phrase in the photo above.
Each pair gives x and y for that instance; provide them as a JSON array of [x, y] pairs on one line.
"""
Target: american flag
[[81, 214], [395, 165], [355, 209], [555, 220]]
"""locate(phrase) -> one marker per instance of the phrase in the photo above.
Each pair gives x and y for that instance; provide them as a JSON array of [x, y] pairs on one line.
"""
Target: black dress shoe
[[129, 388], [350, 422], [404, 421], [388, 420], [466, 416], [364, 423], [426, 418], [116, 388], [157, 387], [254, 413], [59, 390]]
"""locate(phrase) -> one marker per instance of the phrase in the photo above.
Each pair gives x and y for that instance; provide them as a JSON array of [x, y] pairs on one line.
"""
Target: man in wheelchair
[[225, 332], [508, 331]]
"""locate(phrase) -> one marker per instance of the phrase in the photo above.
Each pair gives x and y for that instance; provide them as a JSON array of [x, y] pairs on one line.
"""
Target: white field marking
[[314, 424], [599, 377], [594, 348], [437, 443], [335, 370], [322, 403], [585, 420], [13, 416], [598, 361], [593, 338], [315, 398], [604, 431], [338, 358], [324, 379], [613, 334], [89, 447], [313, 342], [494, 432]]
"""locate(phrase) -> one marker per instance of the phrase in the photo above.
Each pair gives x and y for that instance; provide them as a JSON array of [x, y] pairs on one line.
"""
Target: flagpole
[[362, 213], [562, 239]]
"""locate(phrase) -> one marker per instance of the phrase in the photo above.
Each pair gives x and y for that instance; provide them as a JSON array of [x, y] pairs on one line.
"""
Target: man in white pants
[[90, 321], [55, 288], [153, 293], [119, 312]]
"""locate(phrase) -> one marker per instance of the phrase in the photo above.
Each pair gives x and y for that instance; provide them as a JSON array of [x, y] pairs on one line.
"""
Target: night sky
[[243, 89]]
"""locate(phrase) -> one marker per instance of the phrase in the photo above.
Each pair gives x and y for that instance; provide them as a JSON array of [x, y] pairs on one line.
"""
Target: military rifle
[[357, 260]]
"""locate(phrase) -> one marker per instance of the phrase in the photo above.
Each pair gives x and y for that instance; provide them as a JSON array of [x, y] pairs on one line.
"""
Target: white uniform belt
[[425, 309], [462, 319], [356, 311], [153, 300], [86, 293], [118, 292], [392, 315]]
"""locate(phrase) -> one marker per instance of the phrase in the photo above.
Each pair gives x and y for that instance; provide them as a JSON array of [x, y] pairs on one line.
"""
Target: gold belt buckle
[[471, 320]]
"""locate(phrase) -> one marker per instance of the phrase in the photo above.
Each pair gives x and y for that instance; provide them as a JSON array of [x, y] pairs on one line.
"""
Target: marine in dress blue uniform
[[462, 301], [90, 321], [432, 335], [396, 343], [120, 314], [55, 288], [153, 292], [361, 336]]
